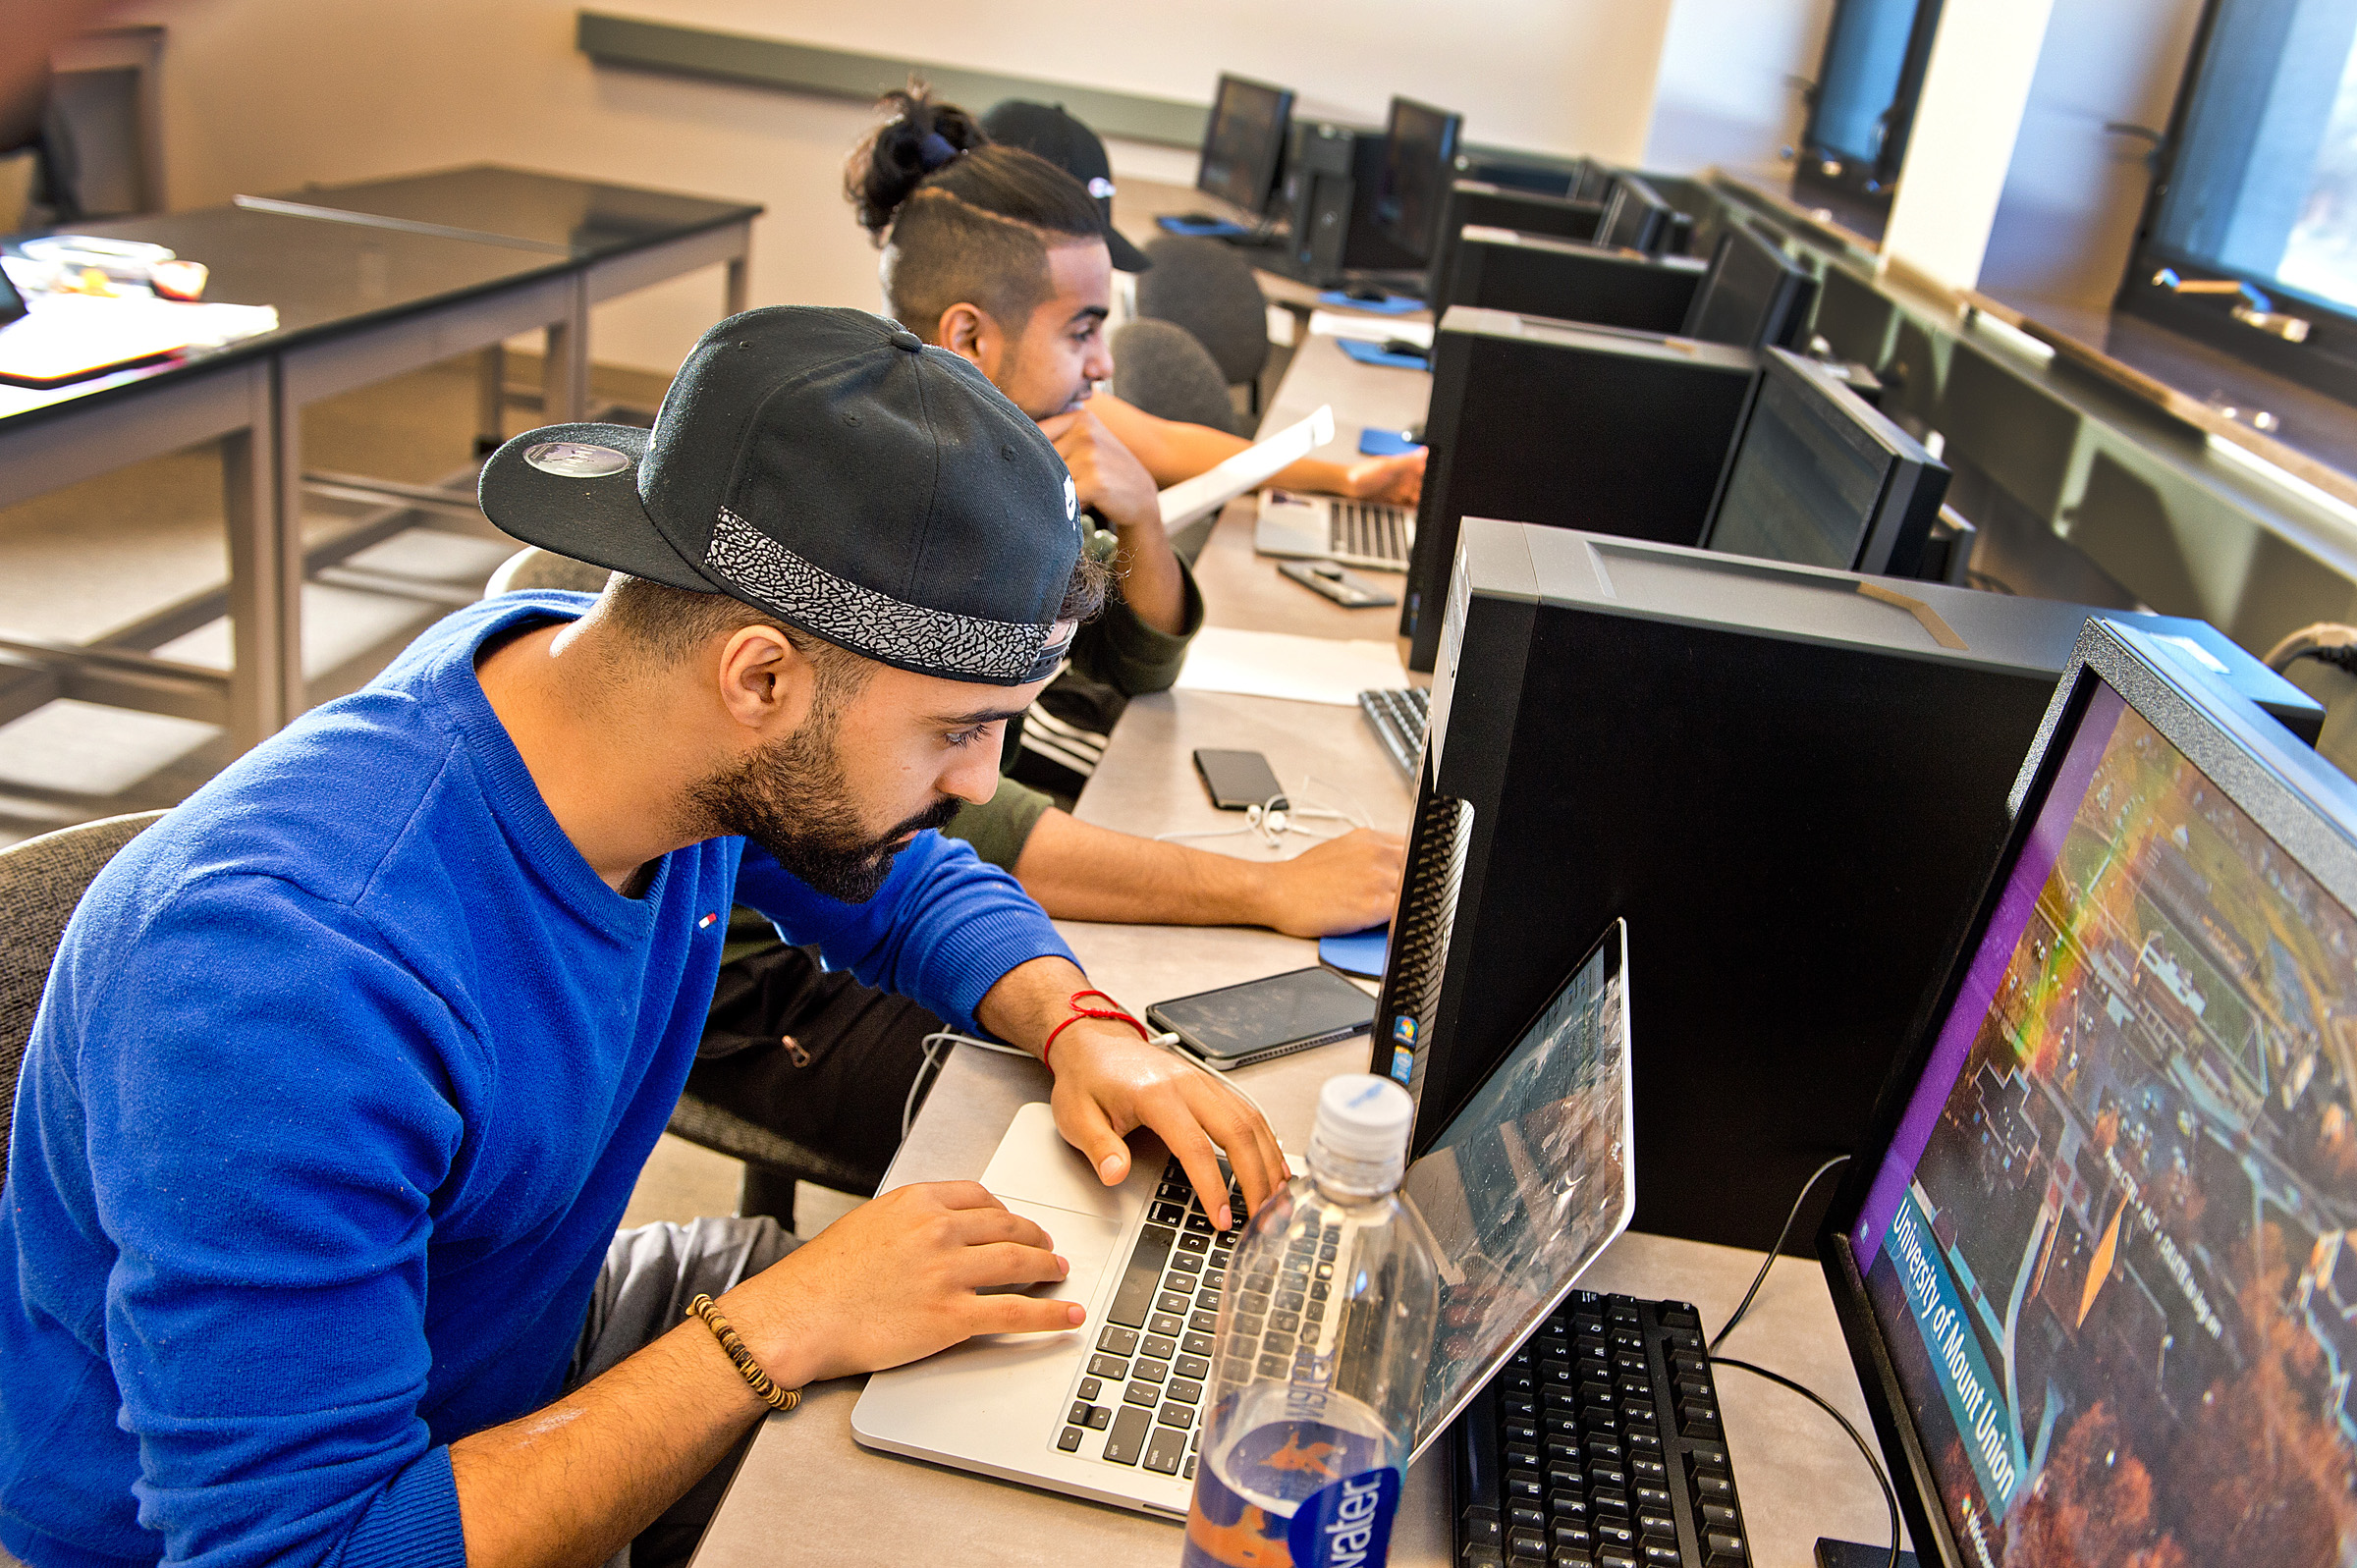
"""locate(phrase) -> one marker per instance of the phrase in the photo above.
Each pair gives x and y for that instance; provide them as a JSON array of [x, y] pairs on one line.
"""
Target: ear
[[964, 330], [767, 684]]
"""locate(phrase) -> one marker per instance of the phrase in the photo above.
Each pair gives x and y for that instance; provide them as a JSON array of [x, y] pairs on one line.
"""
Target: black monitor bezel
[[1891, 544], [2262, 768], [1444, 172], [1657, 216], [1271, 177], [1795, 276]]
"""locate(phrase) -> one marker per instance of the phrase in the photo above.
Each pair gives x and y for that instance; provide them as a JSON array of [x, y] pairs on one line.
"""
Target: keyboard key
[[1576, 1536], [1189, 1471], [1208, 1299], [1069, 1439], [1159, 1346], [1165, 1213], [1527, 1516], [1657, 1553], [1285, 1323], [1292, 1300], [1111, 1368], [1190, 1241], [1099, 1417], [1521, 1457], [1196, 1344], [1570, 1557], [1079, 1416], [1202, 1322], [1180, 1285], [1723, 1547], [1479, 1525], [1520, 1485], [1146, 1395], [1275, 1366], [1128, 1439], [1090, 1387], [1150, 1371], [1167, 1324], [1716, 1516], [1650, 1522], [1121, 1341], [1710, 1487], [1528, 1542], [1195, 1367], [1185, 1391], [1195, 1221], [1480, 1557], [1185, 1263], [1568, 1506], [1139, 1279], [1610, 1556], [1170, 1301], [1706, 1456], [1609, 1531]]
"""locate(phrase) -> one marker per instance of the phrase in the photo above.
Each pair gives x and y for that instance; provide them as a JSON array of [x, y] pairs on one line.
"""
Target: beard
[[791, 799]]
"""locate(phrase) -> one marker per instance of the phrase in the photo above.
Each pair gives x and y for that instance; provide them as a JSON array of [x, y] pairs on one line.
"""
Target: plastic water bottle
[[1325, 1328]]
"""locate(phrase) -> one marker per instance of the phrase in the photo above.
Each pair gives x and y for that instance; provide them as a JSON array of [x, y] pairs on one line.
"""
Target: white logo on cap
[[577, 459], [1101, 188], [1072, 501]]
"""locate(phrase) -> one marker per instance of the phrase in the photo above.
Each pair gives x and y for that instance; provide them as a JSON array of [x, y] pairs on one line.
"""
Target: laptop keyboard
[[1399, 717], [1138, 1400], [1369, 534], [1599, 1445]]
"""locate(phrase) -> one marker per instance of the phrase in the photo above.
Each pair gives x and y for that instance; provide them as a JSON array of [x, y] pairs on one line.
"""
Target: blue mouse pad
[[1377, 443], [1217, 229], [1391, 304], [1361, 953], [1374, 353]]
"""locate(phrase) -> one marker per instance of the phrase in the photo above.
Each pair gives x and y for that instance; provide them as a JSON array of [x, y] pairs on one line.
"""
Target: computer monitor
[[1243, 144], [1636, 218], [1595, 181], [1419, 161], [1754, 296], [2094, 1261], [1570, 280], [1789, 781], [1486, 205], [1820, 479]]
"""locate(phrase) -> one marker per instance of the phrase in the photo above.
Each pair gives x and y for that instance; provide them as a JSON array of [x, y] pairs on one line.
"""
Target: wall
[[2074, 192], [265, 94], [1725, 95]]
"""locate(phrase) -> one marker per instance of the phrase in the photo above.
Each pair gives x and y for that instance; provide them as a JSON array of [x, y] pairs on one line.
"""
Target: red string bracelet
[[1079, 1013]]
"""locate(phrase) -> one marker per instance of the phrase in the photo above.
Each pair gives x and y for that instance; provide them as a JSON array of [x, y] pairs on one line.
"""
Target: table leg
[[263, 511], [564, 369], [490, 399], [734, 289]]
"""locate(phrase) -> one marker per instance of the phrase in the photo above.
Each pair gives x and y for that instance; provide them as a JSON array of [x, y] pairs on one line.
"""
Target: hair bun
[[918, 135]]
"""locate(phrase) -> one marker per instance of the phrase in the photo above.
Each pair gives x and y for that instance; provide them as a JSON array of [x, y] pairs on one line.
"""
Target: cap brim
[[1126, 257], [600, 520]]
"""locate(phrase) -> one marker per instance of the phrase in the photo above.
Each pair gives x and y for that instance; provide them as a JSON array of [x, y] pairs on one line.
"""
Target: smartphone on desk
[[1237, 1026], [1238, 780]]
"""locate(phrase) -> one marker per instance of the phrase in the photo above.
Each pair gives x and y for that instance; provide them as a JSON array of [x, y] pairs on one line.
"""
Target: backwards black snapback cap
[[824, 465], [1050, 131]]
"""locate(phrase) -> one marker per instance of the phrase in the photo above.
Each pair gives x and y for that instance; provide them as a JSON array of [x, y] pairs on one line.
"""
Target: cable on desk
[[1761, 1278], [1890, 1498]]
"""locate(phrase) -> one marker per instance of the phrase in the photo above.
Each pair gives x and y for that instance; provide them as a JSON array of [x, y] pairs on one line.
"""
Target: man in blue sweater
[[347, 1067]]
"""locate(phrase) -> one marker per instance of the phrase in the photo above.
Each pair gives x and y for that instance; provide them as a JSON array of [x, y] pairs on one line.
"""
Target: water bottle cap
[[1360, 1137]]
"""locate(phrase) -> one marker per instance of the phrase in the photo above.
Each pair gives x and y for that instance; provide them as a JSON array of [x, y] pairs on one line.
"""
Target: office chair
[[42, 880], [772, 1163], [2322, 660], [1160, 366], [1207, 288]]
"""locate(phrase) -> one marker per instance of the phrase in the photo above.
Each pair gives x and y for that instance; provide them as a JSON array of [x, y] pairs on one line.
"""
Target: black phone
[[1238, 780], [1239, 1025]]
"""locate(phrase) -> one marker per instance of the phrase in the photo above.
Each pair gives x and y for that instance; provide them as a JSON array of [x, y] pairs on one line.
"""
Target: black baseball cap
[[1044, 129], [824, 465]]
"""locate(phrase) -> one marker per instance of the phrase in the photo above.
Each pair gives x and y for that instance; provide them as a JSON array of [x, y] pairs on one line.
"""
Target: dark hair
[[966, 220]]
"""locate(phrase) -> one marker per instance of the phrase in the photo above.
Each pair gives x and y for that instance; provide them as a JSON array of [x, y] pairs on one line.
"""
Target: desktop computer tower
[[1791, 781], [1570, 280], [1327, 205], [1496, 206], [1571, 426]]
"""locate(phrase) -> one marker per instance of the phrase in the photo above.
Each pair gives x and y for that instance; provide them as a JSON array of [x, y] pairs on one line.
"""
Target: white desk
[[808, 1493]]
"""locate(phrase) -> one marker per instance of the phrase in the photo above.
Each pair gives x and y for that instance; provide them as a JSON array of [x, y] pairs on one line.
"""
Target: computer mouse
[[1366, 295], [1405, 346], [1327, 570]]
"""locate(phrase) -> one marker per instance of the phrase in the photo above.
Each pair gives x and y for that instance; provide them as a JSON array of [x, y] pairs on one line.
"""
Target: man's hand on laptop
[[1397, 480], [1108, 1083], [897, 1278]]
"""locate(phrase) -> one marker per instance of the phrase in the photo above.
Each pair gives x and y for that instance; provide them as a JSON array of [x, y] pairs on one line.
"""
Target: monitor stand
[[1832, 1554]]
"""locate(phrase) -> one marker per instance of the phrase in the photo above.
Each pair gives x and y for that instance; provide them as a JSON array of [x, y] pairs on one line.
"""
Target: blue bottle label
[[1348, 1525]]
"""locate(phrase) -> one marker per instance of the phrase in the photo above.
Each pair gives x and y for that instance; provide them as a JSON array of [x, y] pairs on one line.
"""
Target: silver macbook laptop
[[1527, 1184], [1358, 533]]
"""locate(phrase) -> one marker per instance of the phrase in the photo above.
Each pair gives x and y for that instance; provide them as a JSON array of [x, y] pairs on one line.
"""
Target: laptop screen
[[2108, 1246], [1530, 1179]]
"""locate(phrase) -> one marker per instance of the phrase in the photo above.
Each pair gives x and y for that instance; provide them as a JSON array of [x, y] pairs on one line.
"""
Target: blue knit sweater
[[341, 1082]]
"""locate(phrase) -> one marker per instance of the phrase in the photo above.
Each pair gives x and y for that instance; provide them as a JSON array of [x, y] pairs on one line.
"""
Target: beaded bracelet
[[768, 1393], [1114, 1013]]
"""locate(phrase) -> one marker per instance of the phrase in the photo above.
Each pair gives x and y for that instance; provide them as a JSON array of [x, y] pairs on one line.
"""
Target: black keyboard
[[1138, 1398], [1398, 719], [1599, 1445]]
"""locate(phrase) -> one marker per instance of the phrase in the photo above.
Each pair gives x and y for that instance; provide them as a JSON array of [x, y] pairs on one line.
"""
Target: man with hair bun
[[978, 235]]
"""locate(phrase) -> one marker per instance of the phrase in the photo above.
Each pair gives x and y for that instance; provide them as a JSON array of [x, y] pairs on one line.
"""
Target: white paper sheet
[[1279, 664], [1372, 329], [1212, 489]]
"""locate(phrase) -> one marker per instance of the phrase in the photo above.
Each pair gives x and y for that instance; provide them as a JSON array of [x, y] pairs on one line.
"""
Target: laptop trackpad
[[1082, 1240], [1035, 1163]]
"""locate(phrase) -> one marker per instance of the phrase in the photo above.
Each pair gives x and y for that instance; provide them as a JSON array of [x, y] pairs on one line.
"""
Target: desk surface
[[491, 203], [1798, 1475]]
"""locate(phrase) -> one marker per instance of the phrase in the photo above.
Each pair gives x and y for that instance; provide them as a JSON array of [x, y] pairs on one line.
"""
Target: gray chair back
[[1207, 288], [42, 880], [1160, 367], [535, 568]]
